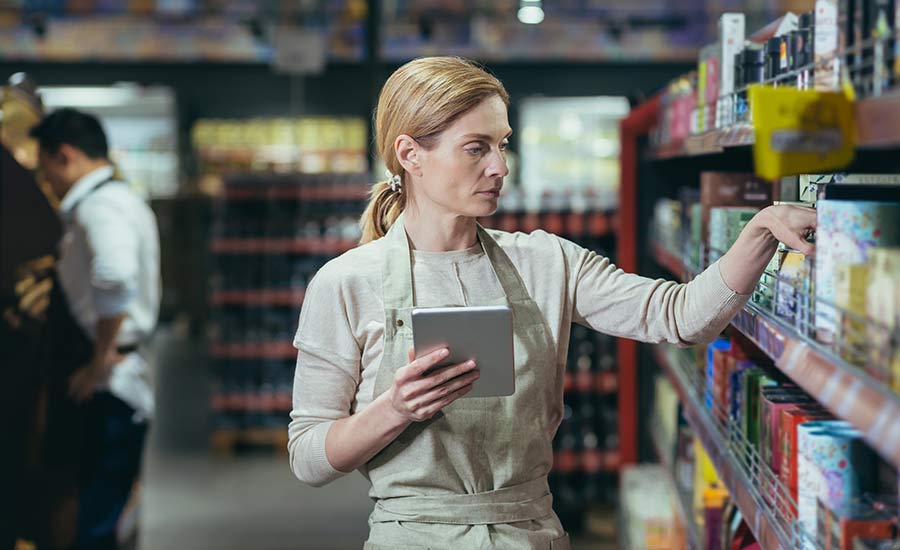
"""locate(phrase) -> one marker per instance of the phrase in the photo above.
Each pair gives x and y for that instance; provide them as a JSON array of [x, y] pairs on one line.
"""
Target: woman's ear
[[407, 151]]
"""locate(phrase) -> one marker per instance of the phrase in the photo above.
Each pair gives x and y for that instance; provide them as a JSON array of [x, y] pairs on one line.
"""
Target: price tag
[[800, 131]]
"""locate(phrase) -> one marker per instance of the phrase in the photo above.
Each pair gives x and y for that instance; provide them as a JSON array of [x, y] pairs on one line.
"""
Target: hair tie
[[394, 181]]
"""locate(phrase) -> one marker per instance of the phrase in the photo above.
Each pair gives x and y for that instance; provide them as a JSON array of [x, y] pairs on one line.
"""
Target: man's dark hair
[[72, 127]]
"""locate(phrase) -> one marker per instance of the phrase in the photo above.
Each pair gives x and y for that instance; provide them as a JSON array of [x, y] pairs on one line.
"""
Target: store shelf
[[600, 383], [259, 297], [844, 389], [682, 499], [668, 260], [308, 193], [332, 247], [265, 350], [877, 126], [761, 519]]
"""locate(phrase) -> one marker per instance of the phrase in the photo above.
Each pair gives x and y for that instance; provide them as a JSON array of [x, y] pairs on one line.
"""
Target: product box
[[731, 42], [754, 380], [792, 296], [814, 439], [707, 88], [772, 402], [850, 285], [735, 389], [846, 230], [837, 528], [790, 419], [730, 189], [883, 312], [715, 363], [825, 46]]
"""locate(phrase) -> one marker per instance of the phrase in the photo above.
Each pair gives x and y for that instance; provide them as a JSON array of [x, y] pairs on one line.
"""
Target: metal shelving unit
[[752, 485], [682, 500], [845, 389]]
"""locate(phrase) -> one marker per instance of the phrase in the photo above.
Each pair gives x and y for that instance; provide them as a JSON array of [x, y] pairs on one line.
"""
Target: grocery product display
[[794, 403], [652, 133]]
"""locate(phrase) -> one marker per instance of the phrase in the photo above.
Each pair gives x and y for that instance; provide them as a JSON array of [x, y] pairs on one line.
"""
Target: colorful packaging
[[705, 477], [883, 311], [772, 402], [793, 290], [838, 527], [735, 391], [816, 442], [714, 501], [846, 231], [847, 463], [731, 42], [725, 226], [715, 358], [851, 282], [825, 46], [791, 419], [730, 189], [750, 408], [765, 291]]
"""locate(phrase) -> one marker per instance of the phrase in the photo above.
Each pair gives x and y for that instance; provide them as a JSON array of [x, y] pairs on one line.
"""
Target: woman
[[471, 473]]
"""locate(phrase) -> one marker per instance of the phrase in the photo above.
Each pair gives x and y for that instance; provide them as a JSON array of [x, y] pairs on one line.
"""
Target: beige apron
[[474, 475]]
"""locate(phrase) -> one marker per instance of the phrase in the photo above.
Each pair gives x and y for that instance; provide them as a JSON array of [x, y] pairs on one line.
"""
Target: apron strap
[[527, 501]]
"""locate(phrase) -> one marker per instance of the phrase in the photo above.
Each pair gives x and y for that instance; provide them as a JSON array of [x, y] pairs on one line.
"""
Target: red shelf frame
[[631, 130], [282, 246], [265, 350], [258, 297]]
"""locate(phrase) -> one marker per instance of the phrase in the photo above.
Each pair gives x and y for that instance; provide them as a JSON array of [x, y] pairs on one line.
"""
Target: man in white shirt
[[109, 273]]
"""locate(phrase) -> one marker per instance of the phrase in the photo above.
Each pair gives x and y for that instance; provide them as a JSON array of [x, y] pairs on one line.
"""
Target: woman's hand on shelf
[[790, 224], [744, 263]]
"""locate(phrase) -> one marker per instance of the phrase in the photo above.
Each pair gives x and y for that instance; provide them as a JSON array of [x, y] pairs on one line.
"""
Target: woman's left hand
[[791, 225]]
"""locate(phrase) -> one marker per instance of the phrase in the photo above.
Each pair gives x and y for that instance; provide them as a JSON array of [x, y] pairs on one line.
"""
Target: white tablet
[[483, 334]]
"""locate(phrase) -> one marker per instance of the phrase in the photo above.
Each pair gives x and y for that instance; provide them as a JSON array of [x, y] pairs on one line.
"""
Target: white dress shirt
[[109, 266]]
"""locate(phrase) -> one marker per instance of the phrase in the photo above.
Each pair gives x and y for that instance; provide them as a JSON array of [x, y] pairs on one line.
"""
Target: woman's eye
[[504, 145], [476, 150]]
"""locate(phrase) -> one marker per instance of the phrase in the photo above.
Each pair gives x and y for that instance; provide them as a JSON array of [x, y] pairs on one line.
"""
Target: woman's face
[[464, 172]]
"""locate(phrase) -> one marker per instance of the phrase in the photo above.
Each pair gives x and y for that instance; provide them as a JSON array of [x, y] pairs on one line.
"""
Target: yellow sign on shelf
[[800, 131]]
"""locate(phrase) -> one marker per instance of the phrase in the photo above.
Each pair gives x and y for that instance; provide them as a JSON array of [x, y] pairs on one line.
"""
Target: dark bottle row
[[251, 393]]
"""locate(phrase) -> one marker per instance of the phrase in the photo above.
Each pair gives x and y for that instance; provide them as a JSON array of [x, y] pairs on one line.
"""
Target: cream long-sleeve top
[[339, 337]]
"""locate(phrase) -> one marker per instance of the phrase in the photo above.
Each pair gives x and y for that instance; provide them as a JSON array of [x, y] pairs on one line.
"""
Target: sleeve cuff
[[312, 466], [112, 302]]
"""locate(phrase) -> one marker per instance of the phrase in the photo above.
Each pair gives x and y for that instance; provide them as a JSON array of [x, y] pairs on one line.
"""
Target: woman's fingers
[[436, 406], [442, 376], [417, 367], [446, 388]]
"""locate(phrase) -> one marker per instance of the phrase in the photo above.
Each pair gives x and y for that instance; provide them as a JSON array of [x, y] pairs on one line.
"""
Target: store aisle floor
[[193, 500]]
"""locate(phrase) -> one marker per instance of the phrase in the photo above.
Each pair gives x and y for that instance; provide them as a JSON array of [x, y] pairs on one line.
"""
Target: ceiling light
[[531, 12]]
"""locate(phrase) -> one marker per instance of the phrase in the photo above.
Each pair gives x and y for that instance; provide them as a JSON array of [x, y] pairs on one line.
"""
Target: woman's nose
[[498, 167]]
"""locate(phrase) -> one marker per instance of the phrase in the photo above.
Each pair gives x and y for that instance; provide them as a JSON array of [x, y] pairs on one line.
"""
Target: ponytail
[[385, 206]]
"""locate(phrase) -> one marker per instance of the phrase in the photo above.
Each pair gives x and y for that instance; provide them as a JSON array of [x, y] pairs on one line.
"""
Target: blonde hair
[[421, 99]]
